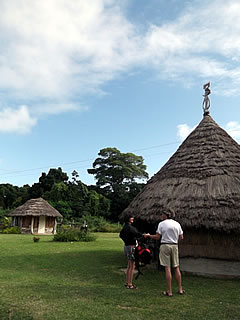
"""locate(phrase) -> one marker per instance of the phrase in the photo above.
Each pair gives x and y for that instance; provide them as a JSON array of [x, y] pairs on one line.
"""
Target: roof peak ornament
[[206, 100]]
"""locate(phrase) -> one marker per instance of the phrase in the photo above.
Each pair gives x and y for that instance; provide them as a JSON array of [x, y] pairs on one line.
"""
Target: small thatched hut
[[36, 216], [201, 183]]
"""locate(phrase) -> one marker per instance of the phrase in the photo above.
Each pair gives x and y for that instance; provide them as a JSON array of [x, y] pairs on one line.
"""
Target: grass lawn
[[53, 280]]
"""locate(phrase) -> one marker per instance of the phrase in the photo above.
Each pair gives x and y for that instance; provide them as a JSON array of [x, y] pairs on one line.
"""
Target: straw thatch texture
[[200, 182], [35, 207]]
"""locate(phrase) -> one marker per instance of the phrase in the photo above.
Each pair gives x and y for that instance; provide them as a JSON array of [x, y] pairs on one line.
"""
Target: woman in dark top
[[129, 234]]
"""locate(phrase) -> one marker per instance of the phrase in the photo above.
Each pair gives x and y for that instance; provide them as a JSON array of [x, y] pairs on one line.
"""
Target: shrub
[[5, 222], [63, 227], [94, 224], [71, 235], [100, 224], [110, 227], [13, 230]]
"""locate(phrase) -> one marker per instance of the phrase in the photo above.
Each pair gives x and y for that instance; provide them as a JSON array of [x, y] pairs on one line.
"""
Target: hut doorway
[[36, 223], [41, 227]]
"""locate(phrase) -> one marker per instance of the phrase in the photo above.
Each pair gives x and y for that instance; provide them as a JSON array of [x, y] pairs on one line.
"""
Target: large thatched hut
[[201, 183], [36, 216]]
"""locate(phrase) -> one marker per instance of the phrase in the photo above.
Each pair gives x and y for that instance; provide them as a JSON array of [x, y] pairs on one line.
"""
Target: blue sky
[[78, 76]]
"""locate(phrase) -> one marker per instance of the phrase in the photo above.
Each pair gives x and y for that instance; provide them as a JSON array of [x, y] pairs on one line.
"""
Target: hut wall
[[24, 223], [210, 244], [50, 224]]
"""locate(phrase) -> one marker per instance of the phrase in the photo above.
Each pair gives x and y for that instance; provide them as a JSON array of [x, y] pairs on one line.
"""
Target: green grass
[[53, 280]]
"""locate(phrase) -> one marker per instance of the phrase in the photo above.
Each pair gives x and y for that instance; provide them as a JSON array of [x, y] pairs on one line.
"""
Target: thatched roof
[[36, 207], [201, 182]]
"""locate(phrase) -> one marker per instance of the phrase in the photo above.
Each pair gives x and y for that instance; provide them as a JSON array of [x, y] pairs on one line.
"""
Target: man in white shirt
[[170, 232]]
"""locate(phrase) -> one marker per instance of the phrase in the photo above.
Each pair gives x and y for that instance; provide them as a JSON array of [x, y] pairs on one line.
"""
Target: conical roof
[[200, 182], [36, 207]]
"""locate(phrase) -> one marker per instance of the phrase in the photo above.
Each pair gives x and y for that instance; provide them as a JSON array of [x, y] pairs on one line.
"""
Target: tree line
[[118, 178]]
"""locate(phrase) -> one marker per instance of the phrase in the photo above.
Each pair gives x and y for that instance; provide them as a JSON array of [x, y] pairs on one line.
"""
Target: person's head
[[128, 218], [168, 214]]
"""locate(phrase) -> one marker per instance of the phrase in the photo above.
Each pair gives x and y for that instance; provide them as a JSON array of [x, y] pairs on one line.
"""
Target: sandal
[[181, 293], [131, 286], [166, 294]]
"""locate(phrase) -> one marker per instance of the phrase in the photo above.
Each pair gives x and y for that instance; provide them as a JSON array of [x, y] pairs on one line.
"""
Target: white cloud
[[233, 129], [183, 130], [58, 107], [18, 121], [201, 44], [62, 47], [53, 53]]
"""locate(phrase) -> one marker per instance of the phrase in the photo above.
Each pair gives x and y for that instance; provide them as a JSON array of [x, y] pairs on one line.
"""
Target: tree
[[113, 169], [46, 182], [75, 176], [116, 174], [8, 194]]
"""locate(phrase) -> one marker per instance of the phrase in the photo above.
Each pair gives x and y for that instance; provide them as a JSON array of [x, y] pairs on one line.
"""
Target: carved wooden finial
[[206, 100]]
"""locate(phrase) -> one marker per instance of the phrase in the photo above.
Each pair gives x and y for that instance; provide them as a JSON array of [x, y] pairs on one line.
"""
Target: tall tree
[[116, 174], [113, 169]]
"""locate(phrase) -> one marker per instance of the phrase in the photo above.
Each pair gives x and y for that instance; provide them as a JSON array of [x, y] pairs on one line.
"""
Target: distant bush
[[12, 230], [94, 224], [63, 227], [109, 227], [100, 224], [70, 235], [5, 222]]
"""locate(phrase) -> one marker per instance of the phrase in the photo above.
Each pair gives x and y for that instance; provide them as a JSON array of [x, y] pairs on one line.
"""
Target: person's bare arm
[[152, 236]]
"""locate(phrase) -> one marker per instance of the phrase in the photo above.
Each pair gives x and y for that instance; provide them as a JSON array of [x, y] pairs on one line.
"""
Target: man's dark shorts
[[129, 252]]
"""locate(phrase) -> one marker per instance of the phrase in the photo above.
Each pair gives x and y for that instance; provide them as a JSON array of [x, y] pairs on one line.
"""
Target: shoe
[[131, 286], [166, 294], [181, 293]]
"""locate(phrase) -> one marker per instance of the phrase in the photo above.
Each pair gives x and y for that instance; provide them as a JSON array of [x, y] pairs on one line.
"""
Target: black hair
[[127, 218]]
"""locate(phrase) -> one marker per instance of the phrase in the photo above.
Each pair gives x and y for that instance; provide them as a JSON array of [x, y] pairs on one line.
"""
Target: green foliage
[[23, 196], [4, 212], [54, 176], [116, 174], [12, 230], [98, 204], [5, 222], [73, 199], [8, 195], [100, 224], [110, 228], [113, 168], [71, 235], [58, 192], [46, 182]]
